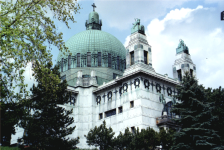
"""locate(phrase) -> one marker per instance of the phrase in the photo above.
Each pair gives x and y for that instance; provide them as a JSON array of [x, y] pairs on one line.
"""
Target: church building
[[118, 84]]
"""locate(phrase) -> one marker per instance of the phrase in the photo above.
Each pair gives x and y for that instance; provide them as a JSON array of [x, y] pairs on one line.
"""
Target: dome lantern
[[93, 23]]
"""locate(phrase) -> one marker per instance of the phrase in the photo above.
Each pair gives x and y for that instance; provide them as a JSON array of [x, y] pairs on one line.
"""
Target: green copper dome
[[93, 41], [93, 48]]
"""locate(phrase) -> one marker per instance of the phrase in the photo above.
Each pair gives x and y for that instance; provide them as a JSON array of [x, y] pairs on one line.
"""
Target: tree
[[48, 124], [25, 31], [216, 97], [123, 141], [165, 138], [196, 130], [101, 137], [146, 139]]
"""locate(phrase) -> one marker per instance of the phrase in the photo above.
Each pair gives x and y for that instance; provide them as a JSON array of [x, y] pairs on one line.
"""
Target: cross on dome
[[93, 6]]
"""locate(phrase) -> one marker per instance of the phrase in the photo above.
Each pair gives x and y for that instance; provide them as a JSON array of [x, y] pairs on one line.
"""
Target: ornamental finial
[[93, 6]]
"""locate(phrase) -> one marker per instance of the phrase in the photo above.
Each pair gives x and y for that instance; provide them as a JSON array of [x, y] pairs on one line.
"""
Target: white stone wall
[[147, 107]]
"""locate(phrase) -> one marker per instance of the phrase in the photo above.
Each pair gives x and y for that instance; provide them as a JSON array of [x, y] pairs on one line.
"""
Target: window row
[[113, 111], [93, 60]]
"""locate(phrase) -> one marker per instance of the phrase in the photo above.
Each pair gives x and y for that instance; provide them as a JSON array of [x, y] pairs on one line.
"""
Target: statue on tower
[[182, 47], [137, 27]]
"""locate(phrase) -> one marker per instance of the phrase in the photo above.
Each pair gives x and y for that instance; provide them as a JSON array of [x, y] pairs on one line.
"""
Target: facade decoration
[[137, 82], [158, 87], [146, 83], [98, 99], [169, 91], [109, 95], [125, 87]]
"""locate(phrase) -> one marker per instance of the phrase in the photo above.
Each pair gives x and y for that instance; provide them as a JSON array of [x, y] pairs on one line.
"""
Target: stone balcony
[[166, 121]]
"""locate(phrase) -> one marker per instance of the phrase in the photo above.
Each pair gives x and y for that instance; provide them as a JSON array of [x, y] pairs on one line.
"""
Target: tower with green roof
[[93, 51], [183, 62]]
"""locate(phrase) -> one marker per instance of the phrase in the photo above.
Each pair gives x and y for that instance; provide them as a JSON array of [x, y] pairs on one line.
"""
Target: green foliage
[[9, 148], [101, 137], [196, 118], [48, 124], [216, 97], [123, 141], [10, 113], [165, 138], [26, 30], [146, 139]]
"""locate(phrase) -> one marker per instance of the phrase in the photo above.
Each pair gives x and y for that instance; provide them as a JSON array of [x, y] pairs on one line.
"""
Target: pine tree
[[146, 139], [216, 97], [48, 125], [101, 137], [123, 141], [196, 118], [165, 138]]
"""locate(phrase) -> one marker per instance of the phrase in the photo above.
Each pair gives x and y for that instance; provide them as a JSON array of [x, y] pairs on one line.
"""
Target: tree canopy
[[216, 97], [195, 118], [26, 31], [101, 137]]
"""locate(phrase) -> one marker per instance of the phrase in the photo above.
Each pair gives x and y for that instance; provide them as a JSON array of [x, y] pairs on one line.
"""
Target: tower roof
[[93, 21]]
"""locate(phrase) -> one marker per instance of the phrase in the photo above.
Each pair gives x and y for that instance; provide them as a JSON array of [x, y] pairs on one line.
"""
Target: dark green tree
[[196, 118], [101, 137], [216, 97], [165, 138], [9, 113], [48, 124], [123, 140], [146, 139]]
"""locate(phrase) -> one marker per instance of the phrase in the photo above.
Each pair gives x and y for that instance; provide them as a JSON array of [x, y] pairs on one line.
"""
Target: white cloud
[[120, 14], [126, 41], [201, 30]]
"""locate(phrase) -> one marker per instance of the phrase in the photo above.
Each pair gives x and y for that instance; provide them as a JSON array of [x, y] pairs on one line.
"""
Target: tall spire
[[93, 6]]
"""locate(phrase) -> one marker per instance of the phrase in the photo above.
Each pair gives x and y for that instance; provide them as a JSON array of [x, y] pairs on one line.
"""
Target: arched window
[[89, 59], [118, 63], [109, 60], [78, 60], [99, 58]]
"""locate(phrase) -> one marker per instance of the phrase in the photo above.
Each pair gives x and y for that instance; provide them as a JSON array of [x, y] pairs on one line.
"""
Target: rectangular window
[[191, 72], [110, 113], [145, 57], [99, 58], [109, 60], [132, 58], [120, 109], [89, 59], [131, 104], [118, 63], [100, 116], [78, 60], [133, 130], [179, 75]]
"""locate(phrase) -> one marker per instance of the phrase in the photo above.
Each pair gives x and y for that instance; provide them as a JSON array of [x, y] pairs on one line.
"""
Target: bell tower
[[183, 62], [138, 51]]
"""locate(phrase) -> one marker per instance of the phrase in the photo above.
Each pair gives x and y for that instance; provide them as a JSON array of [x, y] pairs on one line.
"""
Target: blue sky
[[197, 22]]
